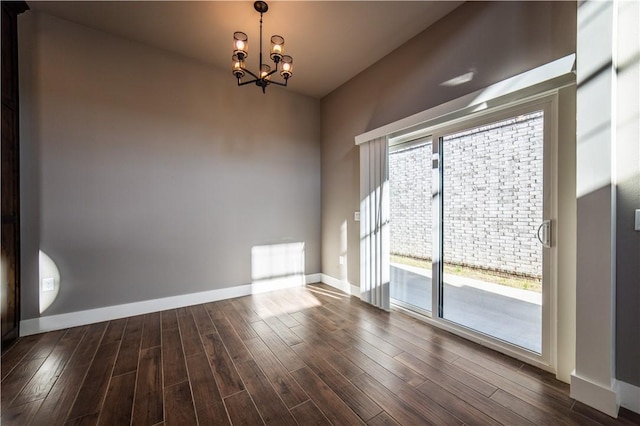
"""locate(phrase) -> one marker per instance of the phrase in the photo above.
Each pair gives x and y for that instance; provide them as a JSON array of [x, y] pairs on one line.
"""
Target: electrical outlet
[[48, 284], [342, 260], [637, 227], [356, 216]]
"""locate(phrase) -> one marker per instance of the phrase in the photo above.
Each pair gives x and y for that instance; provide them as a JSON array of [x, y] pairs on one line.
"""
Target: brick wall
[[492, 197]]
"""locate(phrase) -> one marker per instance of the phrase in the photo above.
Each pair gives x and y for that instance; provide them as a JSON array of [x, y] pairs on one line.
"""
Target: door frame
[[10, 175], [548, 103]]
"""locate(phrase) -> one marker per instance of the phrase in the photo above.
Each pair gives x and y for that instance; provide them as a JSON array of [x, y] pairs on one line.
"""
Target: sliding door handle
[[545, 238]]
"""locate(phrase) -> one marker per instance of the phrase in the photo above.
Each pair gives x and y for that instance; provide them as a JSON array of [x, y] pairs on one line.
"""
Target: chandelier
[[283, 63]]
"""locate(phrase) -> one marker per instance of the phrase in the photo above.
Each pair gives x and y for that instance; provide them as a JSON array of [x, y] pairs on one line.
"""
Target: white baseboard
[[108, 313], [629, 396], [595, 395], [313, 278], [342, 285]]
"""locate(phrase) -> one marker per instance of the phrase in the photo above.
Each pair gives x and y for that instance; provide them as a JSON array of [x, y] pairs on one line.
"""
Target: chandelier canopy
[[283, 63]]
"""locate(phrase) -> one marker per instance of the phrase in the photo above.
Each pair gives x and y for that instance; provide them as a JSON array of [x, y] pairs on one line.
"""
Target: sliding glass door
[[411, 223], [492, 206], [470, 225]]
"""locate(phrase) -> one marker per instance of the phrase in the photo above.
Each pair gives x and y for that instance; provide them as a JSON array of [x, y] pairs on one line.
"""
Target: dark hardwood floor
[[300, 356]]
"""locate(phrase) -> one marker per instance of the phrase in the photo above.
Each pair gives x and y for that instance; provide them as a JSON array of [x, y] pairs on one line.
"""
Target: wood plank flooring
[[307, 356]]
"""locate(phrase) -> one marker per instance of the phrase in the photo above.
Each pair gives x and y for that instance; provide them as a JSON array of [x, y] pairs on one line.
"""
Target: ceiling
[[330, 41]]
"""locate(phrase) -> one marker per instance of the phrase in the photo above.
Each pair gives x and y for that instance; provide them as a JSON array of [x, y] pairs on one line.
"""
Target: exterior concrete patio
[[506, 313]]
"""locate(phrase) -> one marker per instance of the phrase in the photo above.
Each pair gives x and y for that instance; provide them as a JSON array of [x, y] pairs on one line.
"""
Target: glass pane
[[411, 225], [492, 208]]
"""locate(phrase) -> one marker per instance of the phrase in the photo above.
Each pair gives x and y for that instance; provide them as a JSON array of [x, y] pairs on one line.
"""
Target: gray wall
[[497, 39], [608, 192], [628, 197], [147, 175]]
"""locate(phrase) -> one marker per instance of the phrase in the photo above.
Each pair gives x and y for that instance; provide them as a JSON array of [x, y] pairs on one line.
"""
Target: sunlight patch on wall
[[277, 266], [461, 79], [49, 281]]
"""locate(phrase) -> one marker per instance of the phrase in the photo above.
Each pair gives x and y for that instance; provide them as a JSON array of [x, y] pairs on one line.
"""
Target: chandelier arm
[[280, 84], [246, 82], [272, 72], [252, 74]]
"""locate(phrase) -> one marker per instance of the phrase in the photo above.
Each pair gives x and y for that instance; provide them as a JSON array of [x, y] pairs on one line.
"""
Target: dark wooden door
[[10, 171]]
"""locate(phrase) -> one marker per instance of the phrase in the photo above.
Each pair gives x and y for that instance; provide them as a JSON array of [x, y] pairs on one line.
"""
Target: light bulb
[[239, 45], [286, 67], [277, 48]]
